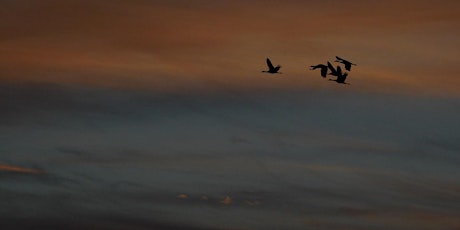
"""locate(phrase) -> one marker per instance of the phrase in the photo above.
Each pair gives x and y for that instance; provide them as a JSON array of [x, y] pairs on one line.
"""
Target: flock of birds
[[341, 76]]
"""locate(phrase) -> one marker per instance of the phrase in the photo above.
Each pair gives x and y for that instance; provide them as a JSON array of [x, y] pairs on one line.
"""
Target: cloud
[[227, 200], [19, 169]]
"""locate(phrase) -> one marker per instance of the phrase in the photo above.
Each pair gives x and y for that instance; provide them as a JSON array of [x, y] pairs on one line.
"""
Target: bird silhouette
[[345, 62], [271, 68], [323, 69], [340, 76]]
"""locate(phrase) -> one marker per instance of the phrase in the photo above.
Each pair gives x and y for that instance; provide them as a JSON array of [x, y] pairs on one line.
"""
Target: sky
[[201, 45], [156, 115]]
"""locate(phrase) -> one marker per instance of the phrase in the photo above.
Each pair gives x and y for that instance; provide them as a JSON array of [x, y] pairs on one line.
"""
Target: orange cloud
[[17, 169], [182, 196], [227, 200]]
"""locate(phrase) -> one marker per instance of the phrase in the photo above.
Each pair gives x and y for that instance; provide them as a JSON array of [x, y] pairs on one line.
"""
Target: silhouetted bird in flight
[[323, 69], [271, 68], [340, 76], [345, 62]]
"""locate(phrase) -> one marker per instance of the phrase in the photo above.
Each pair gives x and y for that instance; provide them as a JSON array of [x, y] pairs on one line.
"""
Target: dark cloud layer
[[119, 159], [102, 222]]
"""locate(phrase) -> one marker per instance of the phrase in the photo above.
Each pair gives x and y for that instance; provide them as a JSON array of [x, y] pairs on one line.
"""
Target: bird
[[345, 62], [323, 69], [340, 76], [271, 68]]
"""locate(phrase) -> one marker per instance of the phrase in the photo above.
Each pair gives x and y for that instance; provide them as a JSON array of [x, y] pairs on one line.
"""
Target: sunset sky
[[156, 115], [203, 45]]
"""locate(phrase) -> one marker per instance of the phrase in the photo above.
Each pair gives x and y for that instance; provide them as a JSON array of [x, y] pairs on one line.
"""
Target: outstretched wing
[[338, 58], [342, 78], [324, 71], [348, 66], [270, 65], [313, 67], [332, 69], [339, 71]]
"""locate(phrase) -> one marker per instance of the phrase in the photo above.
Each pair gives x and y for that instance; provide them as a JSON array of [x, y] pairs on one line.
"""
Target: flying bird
[[271, 68], [323, 69], [340, 76], [345, 62]]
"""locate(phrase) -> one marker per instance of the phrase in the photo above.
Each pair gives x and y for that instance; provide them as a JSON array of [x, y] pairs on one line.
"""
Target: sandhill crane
[[345, 62], [271, 68], [323, 69], [340, 76]]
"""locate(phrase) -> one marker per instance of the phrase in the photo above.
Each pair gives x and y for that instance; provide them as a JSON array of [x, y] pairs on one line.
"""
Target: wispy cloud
[[19, 169]]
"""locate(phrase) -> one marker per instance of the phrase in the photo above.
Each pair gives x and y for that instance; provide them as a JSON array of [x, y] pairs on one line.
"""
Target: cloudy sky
[[155, 115]]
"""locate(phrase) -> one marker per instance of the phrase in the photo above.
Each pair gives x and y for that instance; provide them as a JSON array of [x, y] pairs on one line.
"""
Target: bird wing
[[270, 65], [324, 71], [344, 61], [348, 66], [342, 78], [339, 71], [313, 67], [333, 71]]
